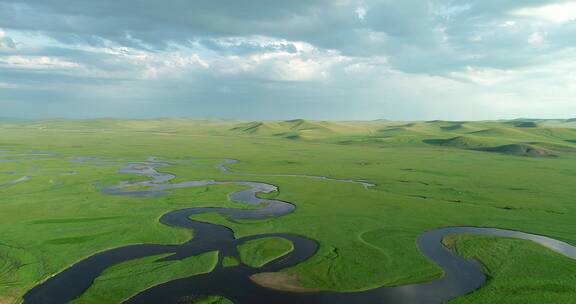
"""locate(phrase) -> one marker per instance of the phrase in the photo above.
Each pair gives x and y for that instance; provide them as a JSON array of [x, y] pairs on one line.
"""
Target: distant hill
[[526, 124], [464, 142], [300, 128], [520, 150], [518, 137]]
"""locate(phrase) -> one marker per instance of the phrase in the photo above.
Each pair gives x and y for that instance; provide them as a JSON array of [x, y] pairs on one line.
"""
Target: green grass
[[213, 300], [259, 252], [367, 237], [230, 261], [519, 271], [120, 282]]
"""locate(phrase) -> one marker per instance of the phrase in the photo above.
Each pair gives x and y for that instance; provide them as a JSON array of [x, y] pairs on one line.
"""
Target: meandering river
[[461, 277]]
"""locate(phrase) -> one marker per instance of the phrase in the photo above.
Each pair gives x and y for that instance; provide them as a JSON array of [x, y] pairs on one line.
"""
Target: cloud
[[5, 85], [361, 11], [6, 43], [319, 58], [536, 38], [247, 45], [36, 62], [557, 12]]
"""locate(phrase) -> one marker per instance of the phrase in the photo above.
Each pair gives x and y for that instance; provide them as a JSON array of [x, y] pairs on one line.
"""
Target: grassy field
[[120, 282], [260, 252], [510, 174], [519, 271]]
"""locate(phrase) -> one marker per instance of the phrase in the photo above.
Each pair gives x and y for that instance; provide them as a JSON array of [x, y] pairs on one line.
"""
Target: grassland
[[519, 271], [257, 253], [120, 282], [510, 174]]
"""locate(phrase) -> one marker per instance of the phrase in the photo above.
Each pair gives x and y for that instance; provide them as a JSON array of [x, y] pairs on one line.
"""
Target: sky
[[312, 59]]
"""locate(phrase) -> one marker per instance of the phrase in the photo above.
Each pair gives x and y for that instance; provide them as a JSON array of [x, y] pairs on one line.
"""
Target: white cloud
[[153, 65], [508, 24], [483, 76], [280, 66], [449, 11], [404, 59], [511, 26], [536, 38], [560, 12], [37, 62], [6, 85], [361, 11], [298, 69], [6, 43], [303, 62], [376, 64], [572, 81]]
